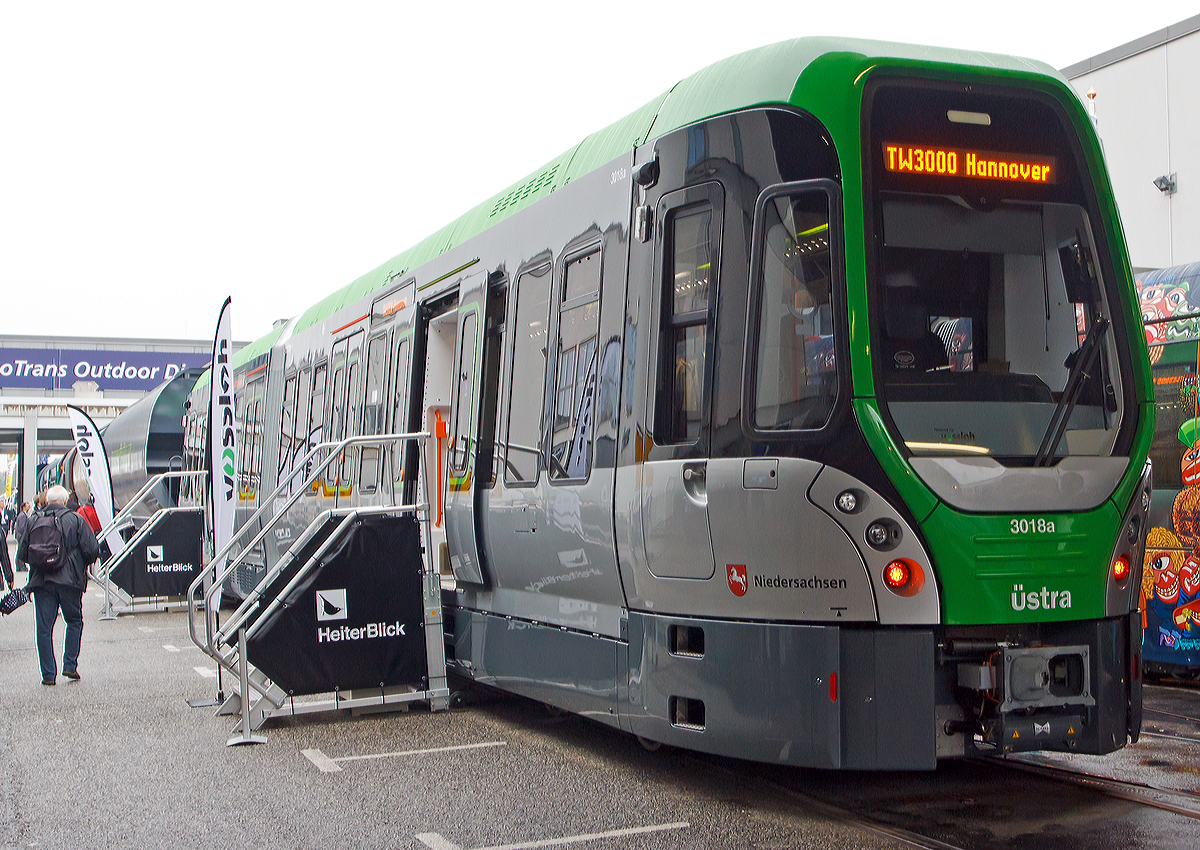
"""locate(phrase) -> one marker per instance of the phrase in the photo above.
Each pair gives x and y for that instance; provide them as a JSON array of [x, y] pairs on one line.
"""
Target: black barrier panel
[[354, 622], [166, 560]]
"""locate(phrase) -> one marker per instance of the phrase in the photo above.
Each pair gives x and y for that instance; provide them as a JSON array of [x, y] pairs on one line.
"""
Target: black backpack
[[47, 549]]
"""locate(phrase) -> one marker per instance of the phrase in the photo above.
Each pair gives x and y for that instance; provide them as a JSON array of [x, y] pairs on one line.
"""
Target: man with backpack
[[19, 529], [58, 545]]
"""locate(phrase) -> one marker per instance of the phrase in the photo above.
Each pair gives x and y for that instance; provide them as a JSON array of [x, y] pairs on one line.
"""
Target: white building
[[1147, 109]]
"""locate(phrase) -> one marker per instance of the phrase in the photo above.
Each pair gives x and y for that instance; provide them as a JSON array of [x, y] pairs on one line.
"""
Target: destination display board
[[942, 161]]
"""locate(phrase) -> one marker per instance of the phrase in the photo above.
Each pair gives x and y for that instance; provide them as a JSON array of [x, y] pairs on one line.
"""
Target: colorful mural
[[1170, 594], [1167, 293]]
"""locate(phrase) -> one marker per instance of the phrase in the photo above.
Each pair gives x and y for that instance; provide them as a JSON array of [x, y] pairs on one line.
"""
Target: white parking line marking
[[322, 761], [436, 842], [206, 672], [170, 648], [421, 752], [145, 630]]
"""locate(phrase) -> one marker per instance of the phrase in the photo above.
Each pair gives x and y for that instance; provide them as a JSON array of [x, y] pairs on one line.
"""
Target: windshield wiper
[[1084, 358]]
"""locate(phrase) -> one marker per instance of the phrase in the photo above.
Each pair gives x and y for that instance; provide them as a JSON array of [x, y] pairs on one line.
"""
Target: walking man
[[19, 529], [58, 545], [5, 563]]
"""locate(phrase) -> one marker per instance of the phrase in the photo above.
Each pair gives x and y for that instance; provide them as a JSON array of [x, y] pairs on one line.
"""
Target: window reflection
[[522, 455], [579, 324], [797, 369]]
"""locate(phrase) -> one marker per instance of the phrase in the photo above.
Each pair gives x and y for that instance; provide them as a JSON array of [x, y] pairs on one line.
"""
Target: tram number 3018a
[[1031, 526]]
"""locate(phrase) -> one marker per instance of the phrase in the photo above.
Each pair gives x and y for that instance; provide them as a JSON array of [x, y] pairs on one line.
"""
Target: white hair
[[57, 495]]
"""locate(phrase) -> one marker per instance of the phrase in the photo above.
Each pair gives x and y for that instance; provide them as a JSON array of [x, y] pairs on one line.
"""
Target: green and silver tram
[[801, 415]]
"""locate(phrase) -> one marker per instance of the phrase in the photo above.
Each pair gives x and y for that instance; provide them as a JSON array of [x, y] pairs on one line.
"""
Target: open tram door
[[453, 397]]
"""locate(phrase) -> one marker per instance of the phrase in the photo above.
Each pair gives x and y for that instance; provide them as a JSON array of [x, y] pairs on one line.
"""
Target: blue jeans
[[47, 600]]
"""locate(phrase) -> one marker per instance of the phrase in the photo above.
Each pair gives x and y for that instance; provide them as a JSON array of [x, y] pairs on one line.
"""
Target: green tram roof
[[766, 75], [246, 353]]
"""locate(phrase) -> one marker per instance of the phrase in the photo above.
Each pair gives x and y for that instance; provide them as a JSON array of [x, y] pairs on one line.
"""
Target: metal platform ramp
[[349, 616]]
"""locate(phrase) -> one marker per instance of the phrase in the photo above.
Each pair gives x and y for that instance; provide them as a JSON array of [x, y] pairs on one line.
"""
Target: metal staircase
[[258, 697], [118, 600]]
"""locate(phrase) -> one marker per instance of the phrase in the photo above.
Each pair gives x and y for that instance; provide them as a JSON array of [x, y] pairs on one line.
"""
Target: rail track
[[1179, 802]]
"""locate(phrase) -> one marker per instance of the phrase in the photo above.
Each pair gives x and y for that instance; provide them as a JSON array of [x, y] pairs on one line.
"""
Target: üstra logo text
[[1044, 599]]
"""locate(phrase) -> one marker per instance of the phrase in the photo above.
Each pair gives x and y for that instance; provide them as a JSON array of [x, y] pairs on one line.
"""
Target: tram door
[[684, 255], [469, 454], [401, 463]]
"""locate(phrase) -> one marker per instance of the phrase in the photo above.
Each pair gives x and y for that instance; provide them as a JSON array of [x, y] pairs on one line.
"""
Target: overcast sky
[[156, 157]]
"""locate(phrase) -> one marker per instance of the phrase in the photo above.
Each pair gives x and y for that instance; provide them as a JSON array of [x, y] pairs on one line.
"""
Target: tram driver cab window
[[796, 381], [912, 345]]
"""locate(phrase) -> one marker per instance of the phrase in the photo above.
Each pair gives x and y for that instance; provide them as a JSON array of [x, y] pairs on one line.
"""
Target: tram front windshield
[[992, 316]]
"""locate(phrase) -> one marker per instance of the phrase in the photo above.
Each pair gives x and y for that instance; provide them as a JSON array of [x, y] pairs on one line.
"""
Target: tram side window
[[576, 365], [1175, 399], [688, 289], [464, 396], [522, 453], [336, 420], [400, 411], [256, 444], [374, 410], [353, 421], [297, 443], [245, 419], [317, 431], [377, 373], [353, 398], [287, 427], [796, 383]]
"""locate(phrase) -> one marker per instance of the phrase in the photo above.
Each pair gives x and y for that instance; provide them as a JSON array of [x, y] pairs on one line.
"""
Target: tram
[[142, 441], [801, 415], [1170, 592]]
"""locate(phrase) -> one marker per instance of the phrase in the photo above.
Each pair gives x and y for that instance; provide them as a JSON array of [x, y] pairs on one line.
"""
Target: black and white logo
[[154, 554], [331, 605]]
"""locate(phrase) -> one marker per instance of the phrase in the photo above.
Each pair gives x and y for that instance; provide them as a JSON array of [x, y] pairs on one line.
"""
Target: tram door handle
[[695, 481]]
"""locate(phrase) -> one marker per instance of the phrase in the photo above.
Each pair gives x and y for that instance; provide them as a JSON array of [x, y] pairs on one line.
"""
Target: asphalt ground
[[119, 759]]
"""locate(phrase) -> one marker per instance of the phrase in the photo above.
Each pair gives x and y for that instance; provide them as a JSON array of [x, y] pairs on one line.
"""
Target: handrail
[[335, 450], [118, 521], [102, 571], [251, 602]]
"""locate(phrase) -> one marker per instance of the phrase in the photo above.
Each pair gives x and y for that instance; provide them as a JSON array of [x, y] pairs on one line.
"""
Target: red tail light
[[904, 577], [1120, 568], [897, 575]]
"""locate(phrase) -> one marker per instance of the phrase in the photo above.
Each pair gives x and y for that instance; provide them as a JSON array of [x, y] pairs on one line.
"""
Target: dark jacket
[[21, 525], [81, 545]]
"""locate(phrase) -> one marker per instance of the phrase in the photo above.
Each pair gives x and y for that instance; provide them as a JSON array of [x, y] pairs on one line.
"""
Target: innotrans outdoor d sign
[[61, 368]]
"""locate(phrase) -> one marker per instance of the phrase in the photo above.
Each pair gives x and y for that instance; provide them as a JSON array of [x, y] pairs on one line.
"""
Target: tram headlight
[[847, 502], [883, 534], [1135, 529]]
